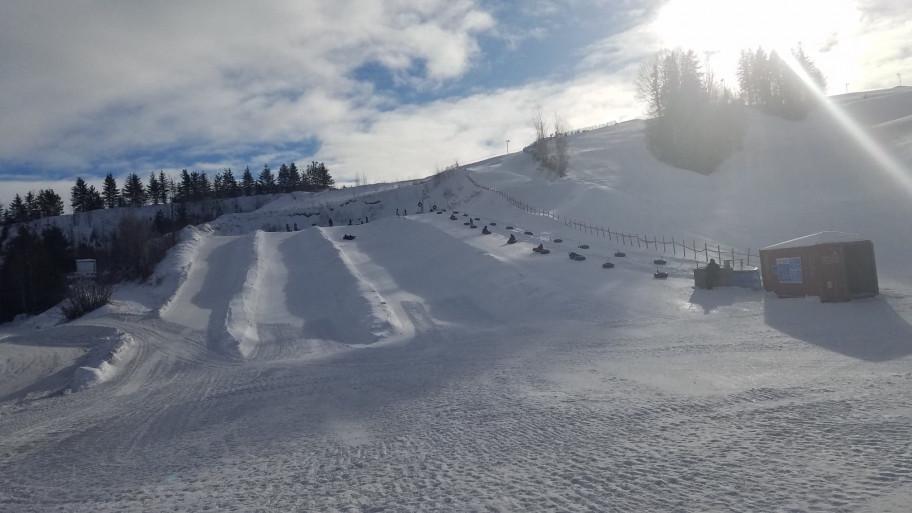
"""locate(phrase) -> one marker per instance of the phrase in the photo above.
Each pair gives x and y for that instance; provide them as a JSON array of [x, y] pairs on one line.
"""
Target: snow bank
[[104, 362]]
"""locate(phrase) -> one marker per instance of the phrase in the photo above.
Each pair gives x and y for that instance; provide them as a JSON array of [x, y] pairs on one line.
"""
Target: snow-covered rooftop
[[826, 237]]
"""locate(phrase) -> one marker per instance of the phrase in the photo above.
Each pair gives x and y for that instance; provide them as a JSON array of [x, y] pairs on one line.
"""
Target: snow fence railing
[[701, 250]]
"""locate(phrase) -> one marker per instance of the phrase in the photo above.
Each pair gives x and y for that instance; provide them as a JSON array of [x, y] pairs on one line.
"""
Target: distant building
[[85, 267], [834, 266]]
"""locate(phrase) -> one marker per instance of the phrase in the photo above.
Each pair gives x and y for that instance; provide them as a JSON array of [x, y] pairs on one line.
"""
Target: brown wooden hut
[[834, 266]]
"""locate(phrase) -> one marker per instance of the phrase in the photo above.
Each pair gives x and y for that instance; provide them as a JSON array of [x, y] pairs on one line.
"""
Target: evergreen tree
[[154, 189], [230, 185], [78, 196], [218, 185], [266, 183], [134, 193], [318, 176], [93, 199], [294, 177], [110, 192], [185, 187], [165, 187], [248, 184], [49, 203], [284, 183], [17, 213], [31, 206]]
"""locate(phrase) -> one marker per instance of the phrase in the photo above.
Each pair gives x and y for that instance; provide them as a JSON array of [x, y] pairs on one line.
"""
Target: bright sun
[[719, 29]]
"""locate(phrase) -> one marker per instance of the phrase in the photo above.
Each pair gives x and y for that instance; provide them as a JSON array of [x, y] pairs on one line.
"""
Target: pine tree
[[49, 203], [284, 183], [17, 212], [294, 177], [266, 183], [184, 188], [165, 188], [154, 189], [218, 186], [134, 193], [31, 206], [78, 196], [93, 199], [230, 185], [318, 176], [248, 184], [110, 192]]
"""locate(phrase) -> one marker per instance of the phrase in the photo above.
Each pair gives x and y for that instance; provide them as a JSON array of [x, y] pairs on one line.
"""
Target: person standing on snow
[[712, 273]]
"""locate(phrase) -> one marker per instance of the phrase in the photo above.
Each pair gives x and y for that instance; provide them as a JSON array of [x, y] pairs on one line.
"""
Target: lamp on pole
[[508, 146]]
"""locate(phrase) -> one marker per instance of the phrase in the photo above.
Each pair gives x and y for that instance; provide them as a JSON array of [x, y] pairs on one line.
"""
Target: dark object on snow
[[659, 261], [287, 229], [558, 240], [464, 214], [620, 254], [493, 224], [584, 246], [397, 211], [834, 266], [509, 227], [455, 211], [453, 217], [348, 237], [540, 249], [577, 257], [712, 274], [608, 265], [467, 223], [478, 219], [330, 221], [349, 221], [486, 231], [439, 212], [512, 239], [529, 233], [660, 275], [296, 227]]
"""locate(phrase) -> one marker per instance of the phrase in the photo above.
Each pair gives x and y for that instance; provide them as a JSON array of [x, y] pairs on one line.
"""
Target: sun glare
[[719, 29]]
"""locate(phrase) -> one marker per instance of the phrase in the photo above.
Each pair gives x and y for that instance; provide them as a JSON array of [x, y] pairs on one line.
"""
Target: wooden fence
[[696, 250]]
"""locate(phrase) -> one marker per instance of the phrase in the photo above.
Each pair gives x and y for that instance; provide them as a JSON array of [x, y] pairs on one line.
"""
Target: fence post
[[674, 250], [748, 257], [719, 251], [733, 256]]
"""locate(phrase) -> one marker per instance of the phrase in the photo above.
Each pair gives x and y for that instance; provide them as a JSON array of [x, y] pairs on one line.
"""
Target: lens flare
[[893, 168]]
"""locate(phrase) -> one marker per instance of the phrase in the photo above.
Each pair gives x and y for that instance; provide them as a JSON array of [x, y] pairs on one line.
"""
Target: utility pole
[[508, 146], [899, 78]]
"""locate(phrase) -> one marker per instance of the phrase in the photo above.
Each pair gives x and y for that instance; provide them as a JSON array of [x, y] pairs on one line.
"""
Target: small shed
[[85, 267], [834, 266]]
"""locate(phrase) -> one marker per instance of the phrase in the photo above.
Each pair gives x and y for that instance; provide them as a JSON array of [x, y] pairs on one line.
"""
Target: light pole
[[508, 146]]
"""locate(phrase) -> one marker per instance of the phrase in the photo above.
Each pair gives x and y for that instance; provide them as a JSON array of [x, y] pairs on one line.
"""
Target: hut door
[[831, 273]]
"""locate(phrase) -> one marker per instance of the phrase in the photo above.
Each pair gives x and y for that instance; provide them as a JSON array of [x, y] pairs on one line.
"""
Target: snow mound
[[104, 362]]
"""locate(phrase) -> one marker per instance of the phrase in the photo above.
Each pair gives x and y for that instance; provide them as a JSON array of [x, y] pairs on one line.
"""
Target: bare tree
[[540, 146], [561, 160], [650, 85]]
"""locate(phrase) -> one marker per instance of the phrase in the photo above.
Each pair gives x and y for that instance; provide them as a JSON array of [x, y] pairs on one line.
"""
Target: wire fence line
[[697, 250]]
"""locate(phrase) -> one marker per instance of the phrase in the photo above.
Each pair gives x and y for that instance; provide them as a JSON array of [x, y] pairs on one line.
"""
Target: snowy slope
[[790, 179], [426, 366]]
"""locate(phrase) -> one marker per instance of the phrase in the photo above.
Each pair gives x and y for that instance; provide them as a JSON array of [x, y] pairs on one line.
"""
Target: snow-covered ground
[[425, 366]]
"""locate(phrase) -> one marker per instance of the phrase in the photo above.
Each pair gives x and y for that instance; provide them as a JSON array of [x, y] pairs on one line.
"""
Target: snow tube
[[620, 254], [659, 261], [584, 246], [607, 265], [577, 257]]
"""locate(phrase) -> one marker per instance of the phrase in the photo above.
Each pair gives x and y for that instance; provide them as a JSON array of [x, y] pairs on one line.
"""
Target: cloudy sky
[[388, 89]]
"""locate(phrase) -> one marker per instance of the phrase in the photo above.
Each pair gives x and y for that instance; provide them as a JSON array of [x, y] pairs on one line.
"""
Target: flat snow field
[[630, 394]]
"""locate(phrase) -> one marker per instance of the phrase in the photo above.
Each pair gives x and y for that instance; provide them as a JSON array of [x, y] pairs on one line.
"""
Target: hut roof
[[814, 239]]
